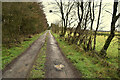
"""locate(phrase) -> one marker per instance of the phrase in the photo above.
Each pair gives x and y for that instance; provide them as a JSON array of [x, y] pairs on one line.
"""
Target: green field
[[112, 52], [113, 48], [107, 33], [100, 40]]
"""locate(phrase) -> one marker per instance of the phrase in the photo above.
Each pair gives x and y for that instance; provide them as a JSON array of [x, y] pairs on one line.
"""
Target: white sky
[[105, 16], [52, 18]]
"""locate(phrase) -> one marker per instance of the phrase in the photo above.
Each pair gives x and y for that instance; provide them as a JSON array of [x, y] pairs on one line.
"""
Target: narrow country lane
[[21, 67], [55, 57], [60, 40]]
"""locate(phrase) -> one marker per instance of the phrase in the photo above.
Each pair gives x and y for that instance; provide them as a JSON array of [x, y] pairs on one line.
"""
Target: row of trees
[[20, 20], [83, 33]]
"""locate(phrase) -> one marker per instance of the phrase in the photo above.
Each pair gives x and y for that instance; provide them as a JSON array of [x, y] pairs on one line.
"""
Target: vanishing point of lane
[[55, 57]]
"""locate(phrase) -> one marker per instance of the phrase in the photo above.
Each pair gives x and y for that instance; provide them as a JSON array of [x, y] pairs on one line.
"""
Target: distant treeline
[[56, 29], [20, 20], [106, 34]]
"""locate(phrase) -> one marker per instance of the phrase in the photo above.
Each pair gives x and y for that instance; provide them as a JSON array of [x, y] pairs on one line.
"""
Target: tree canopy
[[21, 20]]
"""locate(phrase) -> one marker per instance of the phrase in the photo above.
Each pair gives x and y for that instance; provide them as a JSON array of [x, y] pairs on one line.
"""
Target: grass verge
[[38, 67], [88, 65], [112, 52], [9, 54]]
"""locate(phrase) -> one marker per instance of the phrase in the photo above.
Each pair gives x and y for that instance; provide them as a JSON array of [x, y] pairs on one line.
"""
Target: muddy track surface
[[22, 65], [56, 57]]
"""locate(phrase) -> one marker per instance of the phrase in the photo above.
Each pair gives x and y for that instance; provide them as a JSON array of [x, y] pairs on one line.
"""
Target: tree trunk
[[97, 25], [89, 45], [80, 19], [112, 34], [107, 43]]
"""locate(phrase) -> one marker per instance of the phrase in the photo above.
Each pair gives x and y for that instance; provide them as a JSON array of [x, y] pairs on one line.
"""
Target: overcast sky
[[105, 16], [52, 18]]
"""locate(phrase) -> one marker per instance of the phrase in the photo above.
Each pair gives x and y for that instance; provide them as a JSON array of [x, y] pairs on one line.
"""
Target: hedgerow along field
[[112, 51], [96, 68]]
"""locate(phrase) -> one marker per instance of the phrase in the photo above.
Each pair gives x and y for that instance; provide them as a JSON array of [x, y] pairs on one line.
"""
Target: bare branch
[[69, 9], [108, 12], [57, 3], [118, 16], [117, 26]]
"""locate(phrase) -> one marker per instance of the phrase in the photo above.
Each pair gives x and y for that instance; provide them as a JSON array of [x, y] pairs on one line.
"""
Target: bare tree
[[97, 25], [67, 15], [64, 15], [79, 17], [85, 24], [112, 32], [89, 45]]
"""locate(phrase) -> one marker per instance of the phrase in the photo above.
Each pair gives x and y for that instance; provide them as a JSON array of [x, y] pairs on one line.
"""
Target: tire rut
[[22, 65], [55, 59]]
